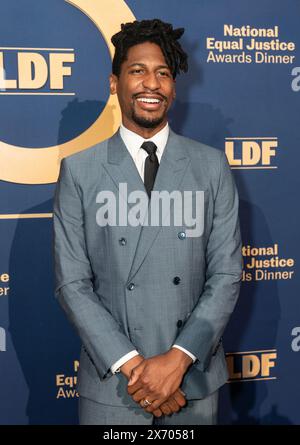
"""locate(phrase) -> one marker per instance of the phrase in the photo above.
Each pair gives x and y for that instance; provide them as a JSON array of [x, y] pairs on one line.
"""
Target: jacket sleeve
[[101, 335], [203, 330]]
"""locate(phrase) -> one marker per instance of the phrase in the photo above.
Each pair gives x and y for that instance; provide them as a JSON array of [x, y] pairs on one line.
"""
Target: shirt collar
[[133, 141]]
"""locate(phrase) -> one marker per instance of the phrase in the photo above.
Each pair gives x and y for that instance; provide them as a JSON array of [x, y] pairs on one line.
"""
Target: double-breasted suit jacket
[[144, 287]]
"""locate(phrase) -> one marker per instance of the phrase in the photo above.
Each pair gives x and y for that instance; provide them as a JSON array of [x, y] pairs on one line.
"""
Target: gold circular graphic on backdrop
[[41, 165]]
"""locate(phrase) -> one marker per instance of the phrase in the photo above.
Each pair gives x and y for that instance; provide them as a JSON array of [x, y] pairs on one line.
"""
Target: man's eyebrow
[[145, 66]]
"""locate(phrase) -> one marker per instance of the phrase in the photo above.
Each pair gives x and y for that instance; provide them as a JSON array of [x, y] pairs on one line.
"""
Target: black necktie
[[151, 165]]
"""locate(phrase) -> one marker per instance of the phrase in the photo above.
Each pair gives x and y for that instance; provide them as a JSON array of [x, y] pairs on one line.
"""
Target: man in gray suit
[[148, 287]]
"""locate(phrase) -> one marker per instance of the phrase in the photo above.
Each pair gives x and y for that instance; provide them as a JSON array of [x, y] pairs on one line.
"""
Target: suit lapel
[[121, 167], [169, 176]]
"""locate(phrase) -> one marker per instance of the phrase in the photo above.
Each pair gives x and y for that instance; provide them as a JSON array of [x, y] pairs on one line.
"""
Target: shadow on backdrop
[[253, 327], [45, 343]]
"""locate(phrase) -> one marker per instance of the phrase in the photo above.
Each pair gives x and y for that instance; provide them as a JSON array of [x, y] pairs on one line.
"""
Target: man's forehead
[[145, 53]]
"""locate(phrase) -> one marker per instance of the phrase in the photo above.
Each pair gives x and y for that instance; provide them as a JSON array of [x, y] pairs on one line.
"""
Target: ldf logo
[[250, 153], [33, 70], [54, 83], [252, 365]]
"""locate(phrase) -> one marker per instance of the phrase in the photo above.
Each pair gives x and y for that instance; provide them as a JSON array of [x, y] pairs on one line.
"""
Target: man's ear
[[113, 81]]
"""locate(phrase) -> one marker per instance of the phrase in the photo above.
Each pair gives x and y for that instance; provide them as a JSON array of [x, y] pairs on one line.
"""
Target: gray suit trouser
[[196, 412]]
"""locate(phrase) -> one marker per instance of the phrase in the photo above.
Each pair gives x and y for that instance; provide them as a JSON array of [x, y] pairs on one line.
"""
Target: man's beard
[[147, 123]]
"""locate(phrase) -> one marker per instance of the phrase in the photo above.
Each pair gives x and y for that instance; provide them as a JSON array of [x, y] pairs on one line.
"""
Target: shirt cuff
[[117, 365], [187, 352]]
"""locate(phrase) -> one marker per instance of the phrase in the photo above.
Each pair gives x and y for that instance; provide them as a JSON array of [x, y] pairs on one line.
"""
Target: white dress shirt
[[133, 144]]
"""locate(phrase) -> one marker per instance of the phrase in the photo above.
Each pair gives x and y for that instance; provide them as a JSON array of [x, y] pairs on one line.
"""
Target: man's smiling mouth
[[149, 100]]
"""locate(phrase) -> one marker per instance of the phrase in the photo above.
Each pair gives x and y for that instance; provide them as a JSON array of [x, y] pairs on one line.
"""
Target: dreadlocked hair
[[154, 31]]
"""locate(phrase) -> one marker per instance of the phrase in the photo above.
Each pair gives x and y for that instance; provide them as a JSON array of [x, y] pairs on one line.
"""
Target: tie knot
[[149, 147]]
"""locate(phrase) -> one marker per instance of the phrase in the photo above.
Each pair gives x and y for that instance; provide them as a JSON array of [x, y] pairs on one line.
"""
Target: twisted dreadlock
[[154, 31]]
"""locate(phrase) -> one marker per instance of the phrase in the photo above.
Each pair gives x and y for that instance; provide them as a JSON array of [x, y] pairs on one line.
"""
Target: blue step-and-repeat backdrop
[[241, 95]]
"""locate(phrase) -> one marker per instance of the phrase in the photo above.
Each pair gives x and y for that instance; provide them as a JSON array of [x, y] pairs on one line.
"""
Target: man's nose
[[151, 81]]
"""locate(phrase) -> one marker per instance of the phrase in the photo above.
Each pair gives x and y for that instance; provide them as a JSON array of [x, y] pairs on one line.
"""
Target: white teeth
[[148, 100]]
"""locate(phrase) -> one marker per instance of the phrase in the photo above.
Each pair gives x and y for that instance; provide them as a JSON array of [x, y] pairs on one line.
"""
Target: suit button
[[122, 241], [176, 280], [179, 323], [181, 235], [130, 286]]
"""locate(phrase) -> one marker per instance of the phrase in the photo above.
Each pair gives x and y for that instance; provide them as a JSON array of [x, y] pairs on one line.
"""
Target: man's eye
[[164, 73], [136, 71]]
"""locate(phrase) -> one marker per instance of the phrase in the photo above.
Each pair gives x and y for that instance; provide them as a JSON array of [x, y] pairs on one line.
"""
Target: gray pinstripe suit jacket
[[94, 267]]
